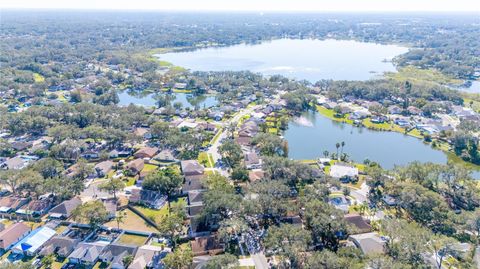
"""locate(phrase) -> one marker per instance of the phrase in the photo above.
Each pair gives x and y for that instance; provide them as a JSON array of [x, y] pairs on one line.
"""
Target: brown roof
[[146, 152], [12, 202], [206, 245], [255, 175], [192, 167], [358, 222], [136, 165], [12, 234]]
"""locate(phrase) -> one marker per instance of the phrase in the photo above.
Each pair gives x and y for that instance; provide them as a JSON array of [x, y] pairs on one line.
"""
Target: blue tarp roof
[[34, 240]]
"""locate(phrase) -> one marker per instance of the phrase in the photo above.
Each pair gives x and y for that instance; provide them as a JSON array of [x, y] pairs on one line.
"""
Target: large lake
[[386, 148], [307, 59], [148, 100]]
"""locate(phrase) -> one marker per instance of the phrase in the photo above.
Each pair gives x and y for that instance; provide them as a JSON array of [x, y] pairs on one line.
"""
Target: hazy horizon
[[253, 5]]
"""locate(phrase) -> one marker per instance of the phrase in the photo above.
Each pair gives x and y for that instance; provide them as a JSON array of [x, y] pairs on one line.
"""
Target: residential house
[[134, 167], [35, 208], [103, 168], [59, 245], [249, 129], [395, 110], [115, 253], [252, 161], [111, 205], [146, 152], [64, 210], [16, 163], [143, 132], [86, 254], [206, 245], [148, 198], [192, 168], [10, 204], [359, 224], [195, 202], [344, 172], [368, 243], [31, 244], [12, 234], [414, 110], [255, 175], [165, 155], [148, 256]]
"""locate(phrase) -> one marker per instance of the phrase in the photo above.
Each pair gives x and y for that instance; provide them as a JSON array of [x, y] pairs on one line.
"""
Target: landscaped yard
[[132, 222], [157, 215], [205, 159], [132, 239]]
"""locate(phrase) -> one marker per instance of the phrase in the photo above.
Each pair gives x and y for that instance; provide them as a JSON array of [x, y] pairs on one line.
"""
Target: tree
[[343, 145], [288, 241], [172, 224], [113, 186], [181, 258], [268, 199], [232, 153], [93, 212], [127, 260], [270, 145], [48, 260], [166, 181], [120, 217], [406, 241], [226, 260], [13, 178], [327, 259], [326, 223], [337, 145]]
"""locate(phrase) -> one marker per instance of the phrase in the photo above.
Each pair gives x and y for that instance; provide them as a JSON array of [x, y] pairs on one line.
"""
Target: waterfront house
[[344, 172]]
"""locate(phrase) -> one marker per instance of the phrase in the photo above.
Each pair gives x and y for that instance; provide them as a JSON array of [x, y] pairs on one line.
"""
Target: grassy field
[[158, 215], [205, 159], [132, 222], [473, 104], [414, 74], [329, 113], [132, 239]]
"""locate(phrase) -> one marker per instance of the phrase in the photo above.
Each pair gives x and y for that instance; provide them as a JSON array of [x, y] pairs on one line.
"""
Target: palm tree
[[337, 146], [326, 153], [120, 217], [343, 145]]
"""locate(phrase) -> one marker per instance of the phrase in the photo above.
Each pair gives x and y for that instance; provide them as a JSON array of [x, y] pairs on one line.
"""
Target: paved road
[[213, 150], [360, 194], [260, 261]]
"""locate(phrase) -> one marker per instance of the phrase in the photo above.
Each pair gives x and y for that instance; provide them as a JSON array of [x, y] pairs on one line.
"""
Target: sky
[[252, 5]]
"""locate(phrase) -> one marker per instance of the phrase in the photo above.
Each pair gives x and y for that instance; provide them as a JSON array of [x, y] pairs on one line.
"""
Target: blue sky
[[253, 5]]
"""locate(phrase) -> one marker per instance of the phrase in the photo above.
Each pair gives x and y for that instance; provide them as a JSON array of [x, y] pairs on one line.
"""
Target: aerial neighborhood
[[111, 157]]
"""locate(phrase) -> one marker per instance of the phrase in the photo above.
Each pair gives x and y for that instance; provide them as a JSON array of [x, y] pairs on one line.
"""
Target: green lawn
[[329, 113], [418, 75], [149, 167], [132, 222], [205, 159], [132, 239]]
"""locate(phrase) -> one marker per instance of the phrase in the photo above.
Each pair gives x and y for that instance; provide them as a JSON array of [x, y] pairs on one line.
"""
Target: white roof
[[339, 171]]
